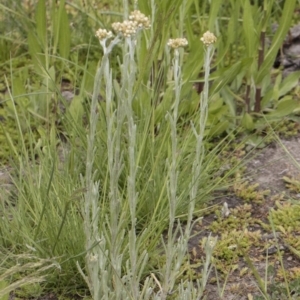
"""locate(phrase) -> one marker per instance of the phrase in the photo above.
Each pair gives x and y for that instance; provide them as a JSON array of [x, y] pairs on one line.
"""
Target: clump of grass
[[26, 270]]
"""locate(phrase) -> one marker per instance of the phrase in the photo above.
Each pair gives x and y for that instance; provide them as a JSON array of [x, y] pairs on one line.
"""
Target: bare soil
[[267, 168]]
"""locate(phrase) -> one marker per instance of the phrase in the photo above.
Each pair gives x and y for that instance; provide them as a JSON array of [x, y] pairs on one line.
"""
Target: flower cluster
[[141, 20], [126, 28], [208, 38], [103, 34], [176, 43], [136, 21]]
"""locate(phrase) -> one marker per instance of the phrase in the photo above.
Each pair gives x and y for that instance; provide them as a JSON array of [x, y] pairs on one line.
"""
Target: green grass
[[102, 185]]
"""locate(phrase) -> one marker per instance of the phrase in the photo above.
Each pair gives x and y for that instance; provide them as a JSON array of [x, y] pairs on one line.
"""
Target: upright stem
[[89, 178], [199, 155], [129, 73], [91, 197], [172, 249], [261, 52], [247, 98], [204, 96]]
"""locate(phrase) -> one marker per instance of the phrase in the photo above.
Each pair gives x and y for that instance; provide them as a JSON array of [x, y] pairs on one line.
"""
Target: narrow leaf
[[249, 29], [35, 51], [247, 121], [64, 40], [226, 77], [278, 39], [41, 23], [213, 13]]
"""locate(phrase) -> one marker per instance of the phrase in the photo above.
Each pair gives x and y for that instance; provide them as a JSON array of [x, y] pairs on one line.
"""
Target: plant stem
[[261, 52]]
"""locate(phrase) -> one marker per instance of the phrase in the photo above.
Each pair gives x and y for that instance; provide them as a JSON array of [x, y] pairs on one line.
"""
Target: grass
[[108, 186]]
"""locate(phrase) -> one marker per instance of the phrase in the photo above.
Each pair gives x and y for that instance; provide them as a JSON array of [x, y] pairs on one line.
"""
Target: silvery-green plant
[[104, 259], [186, 290], [208, 40], [97, 255], [104, 246], [177, 249]]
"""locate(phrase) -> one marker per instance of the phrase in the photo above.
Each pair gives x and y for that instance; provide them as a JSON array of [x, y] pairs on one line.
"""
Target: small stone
[[68, 96]]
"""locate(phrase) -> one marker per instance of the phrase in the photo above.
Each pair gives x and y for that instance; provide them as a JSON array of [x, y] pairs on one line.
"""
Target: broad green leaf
[[233, 23], [267, 7], [247, 121], [226, 77], [266, 83], [276, 87], [289, 83], [271, 92], [41, 23], [285, 107], [230, 100], [35, 51], [18, 87], [220, 113], [218, 129], [190, 104], [281, 89], [215, 106], [213, 14], [64, 40], [255, 141], [249, 29], [76, 109], [267, 98]]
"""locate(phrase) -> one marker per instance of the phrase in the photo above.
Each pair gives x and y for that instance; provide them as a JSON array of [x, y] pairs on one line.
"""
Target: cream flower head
[[126, 28], [208, 38], [136, 21], [141, 20], [176, 43], [103, 34]]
